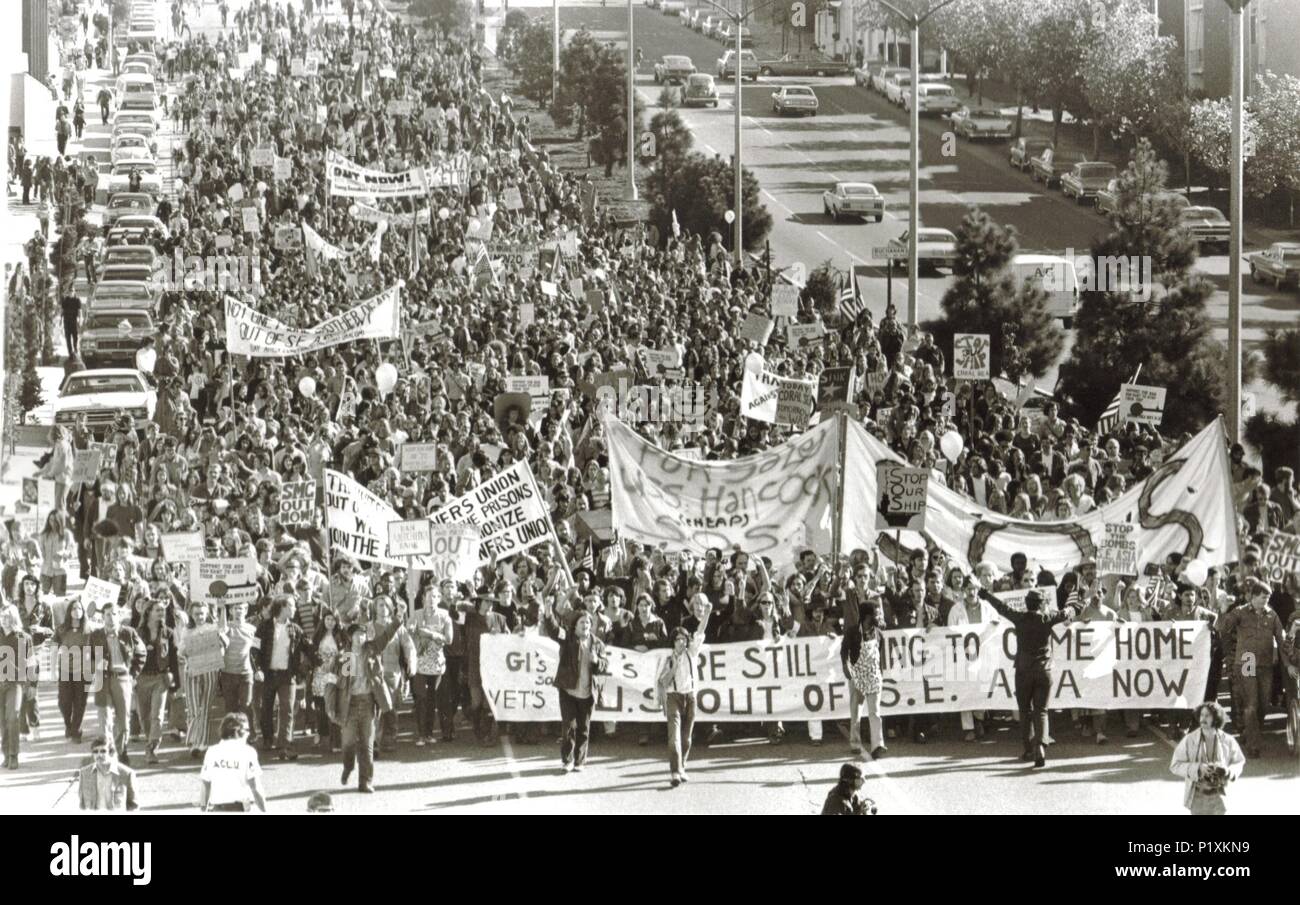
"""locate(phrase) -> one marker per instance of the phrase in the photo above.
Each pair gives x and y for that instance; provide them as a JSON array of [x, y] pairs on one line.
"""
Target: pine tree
[[985, 298]]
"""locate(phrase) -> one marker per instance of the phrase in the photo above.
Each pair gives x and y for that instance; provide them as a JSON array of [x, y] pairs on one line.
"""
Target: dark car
[[111, 338], [804, 64]]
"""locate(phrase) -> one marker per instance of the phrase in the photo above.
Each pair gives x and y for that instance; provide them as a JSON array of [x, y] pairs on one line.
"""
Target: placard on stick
[[901, 495]]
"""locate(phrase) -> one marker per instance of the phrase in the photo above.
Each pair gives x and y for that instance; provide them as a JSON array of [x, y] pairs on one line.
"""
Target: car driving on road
[[110, 338], [103, 394], [748, 65], [700, 91], [1207, 224], [934, 247], [798, 99], [853, 199], [1278, 264], [673, 69]]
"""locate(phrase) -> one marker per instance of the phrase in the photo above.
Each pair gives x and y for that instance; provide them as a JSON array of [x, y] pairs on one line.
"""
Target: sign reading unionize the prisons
[[507, 508]]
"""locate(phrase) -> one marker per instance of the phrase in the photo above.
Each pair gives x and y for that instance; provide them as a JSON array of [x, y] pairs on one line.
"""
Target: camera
[[1215, 781], [866, 807]]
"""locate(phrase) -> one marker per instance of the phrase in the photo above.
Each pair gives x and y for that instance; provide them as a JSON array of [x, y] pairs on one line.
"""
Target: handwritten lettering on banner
[[419, 456], [251, 333], [203, 651], [1282, 555], [368, 214], [224, 581], [800, 335], [1103, 665], [970, 356], [1016, 599], [1118, 553], [507, 509], [346, 179], [771, 504], [409, 537], [455, 551], [358, 523], [785, 300], [180, 549], [836, 388], [903, 492], [98, 592], [1143, 404], [298, 503], [777, 400]]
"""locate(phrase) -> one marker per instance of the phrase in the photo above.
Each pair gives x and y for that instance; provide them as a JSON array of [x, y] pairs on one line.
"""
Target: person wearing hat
[[844, 800], [1254, 635], [1033, 664]]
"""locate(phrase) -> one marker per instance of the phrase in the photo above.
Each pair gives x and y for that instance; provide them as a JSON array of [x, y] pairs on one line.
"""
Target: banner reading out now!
[[1105, 665], [258, 335]]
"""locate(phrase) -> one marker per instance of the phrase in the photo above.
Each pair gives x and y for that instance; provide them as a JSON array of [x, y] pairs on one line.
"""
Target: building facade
[[1203, 30]]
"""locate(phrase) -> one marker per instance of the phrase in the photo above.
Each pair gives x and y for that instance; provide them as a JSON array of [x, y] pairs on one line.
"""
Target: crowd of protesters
[[226, 435]]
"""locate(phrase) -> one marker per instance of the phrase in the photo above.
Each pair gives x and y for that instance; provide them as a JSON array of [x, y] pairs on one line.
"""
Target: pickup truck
[[1278, 264], [1048, 167], [748, 65], [803, 64]]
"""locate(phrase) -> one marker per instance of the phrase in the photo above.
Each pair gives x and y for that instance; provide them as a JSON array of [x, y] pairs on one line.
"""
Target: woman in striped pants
[[199, 689]]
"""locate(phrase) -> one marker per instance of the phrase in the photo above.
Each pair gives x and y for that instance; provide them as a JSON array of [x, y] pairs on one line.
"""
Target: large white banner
[[346, 179], [1104, 665], [508, 509], [368, 214], [1184, 507], [771, 504], [317, 247], [252, 333]]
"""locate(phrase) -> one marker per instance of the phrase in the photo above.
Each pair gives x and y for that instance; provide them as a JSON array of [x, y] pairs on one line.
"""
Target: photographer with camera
[[843, 800], [1208, 760]]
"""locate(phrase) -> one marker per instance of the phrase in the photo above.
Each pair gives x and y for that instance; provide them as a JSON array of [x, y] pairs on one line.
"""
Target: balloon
[[307, 386], [730, 216], [386, 378], [754, 363], [951, 444], [1196, 572], [443, 213], [474, 224]]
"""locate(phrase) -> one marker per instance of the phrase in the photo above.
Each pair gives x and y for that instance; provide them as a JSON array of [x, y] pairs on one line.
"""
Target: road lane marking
[[773, 199], [827, 238]]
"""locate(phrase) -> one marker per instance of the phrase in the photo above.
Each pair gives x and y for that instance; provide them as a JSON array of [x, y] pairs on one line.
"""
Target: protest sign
[[577, 289], [454, 551], [418, 456], [264, 155], [785, 300], [836, 388], [1096, 665], [250, 221], [595, 301], [799, 335], [1117, 554], [777, 400], [756, 329], [527, 314], [204, 650], [224, 581], [409, 537], [513, 200], [1281, 555], [358, 523], [1015, 600], [507, 509], [251, 333], [658, 363], [902, 493], [773, 503], [346, 179], [98, 592], [550, 289], [45, 493], [298, 503], [538, 388], [183, 546], [288, 238], [970, 356], [85, 465], [283, 168], [1143, 404], [235, 192]]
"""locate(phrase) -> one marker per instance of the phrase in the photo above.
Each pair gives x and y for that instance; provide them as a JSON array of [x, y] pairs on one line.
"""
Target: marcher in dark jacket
[[582, 661], [844, 800], [279, 657]]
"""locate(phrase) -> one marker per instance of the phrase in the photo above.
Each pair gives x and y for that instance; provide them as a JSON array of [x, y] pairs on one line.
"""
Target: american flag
[[1110, 417], [589, 558], [415, 249], [850, 303]]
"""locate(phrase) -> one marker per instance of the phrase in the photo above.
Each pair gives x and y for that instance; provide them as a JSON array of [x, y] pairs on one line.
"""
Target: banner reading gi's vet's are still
[[1103, 665], [258, 335], [771, 504]]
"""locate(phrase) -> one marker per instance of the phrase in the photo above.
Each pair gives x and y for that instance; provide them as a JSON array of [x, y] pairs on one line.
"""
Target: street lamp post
[[914, 21], [555, 51], [631, 110], [1235, 224]]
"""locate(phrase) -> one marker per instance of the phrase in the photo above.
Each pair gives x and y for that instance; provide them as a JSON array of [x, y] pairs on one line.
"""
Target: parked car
[[131, 228], [854, 199], [708, 25], [748, 65], [1023, 150], [101, 395], [120, 295], [932, 98], [1048, 167], [1207, 224], [977, 123], [798, 99], [698, 16], [140, 255], [881, 76], [111, 338], [126, 204], [934, 247], [672, 7], [803, 64], [700, 91], [118, 179], [1278, 264], [129, 146], [862, 74], [673, 69], [1108, 198], [895, 85], [1085, 180]]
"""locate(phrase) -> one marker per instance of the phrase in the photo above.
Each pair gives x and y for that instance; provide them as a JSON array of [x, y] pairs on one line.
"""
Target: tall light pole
[[631, 110], [555, 51], [914, 20], [1238, 42]]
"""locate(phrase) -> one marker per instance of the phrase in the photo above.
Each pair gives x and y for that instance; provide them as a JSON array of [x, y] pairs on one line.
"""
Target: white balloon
[[307, 386], [1196, 572], [951, 444], [730, 216], [754, 363], [443, 213], [474, 224], [386, 377]]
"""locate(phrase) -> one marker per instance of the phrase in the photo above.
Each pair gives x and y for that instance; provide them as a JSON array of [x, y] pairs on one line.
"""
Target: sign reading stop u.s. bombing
[[970, 356], [1117, 553], [298, 503], [1281, 555], [1104, 665], [1145, 405], [902, 495]]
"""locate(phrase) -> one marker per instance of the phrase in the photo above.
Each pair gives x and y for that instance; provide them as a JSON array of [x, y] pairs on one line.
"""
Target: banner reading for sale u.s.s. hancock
[[258, 335], [771, 504], [1102, 665]]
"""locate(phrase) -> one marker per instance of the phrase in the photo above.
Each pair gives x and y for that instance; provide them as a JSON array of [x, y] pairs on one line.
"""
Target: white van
[[1058, 278]]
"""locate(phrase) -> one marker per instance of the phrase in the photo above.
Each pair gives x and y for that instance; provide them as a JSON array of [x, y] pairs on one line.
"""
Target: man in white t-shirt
[[231, 773]]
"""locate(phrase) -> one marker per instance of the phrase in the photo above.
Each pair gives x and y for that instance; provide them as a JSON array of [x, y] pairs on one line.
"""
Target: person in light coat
[[675, 690], [971, 610], [1199, 752]]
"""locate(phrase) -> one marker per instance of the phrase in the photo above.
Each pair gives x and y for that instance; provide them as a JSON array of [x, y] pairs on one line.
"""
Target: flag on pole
[[589, 558], [851, 304], [1110, 417], [309, 254], [415, 248]]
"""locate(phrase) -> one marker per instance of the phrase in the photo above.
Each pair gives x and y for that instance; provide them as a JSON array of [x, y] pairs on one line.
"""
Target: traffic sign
[[883, 253]]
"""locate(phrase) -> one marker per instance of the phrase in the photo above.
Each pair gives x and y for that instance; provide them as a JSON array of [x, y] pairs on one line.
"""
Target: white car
[[939, 99], [134, 229], [130, 146], [881, 76], [853, 199], [798, 99], [934, 247], [119, 179], [895, 85], [980, 122], [103, 394]]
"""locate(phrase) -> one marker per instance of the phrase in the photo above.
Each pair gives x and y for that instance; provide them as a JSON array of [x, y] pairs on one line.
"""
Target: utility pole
[[1234, 219], [914, 21], [555, 51], [631, 110]]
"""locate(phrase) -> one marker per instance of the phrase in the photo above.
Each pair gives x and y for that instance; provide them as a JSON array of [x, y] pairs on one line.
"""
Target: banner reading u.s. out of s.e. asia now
[[258, 335], [771, 504], [1104, 665], [1112, 666]]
